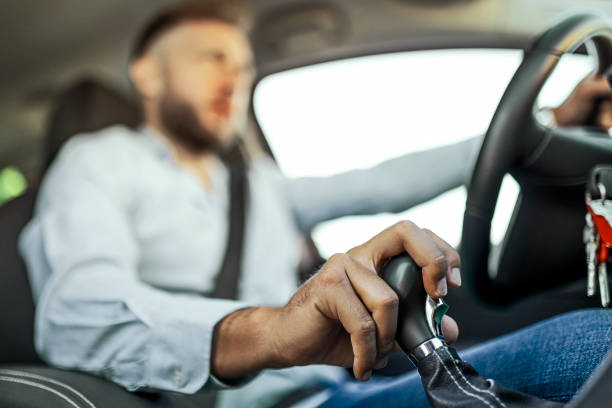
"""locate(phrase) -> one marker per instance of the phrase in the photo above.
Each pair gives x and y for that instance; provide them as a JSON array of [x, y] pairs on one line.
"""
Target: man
[[130, 231]]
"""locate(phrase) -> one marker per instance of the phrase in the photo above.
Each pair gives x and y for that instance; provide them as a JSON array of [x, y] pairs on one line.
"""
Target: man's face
[[207, 71]]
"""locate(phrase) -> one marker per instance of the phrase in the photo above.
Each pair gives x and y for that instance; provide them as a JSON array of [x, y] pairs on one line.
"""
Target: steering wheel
[[543, 243]]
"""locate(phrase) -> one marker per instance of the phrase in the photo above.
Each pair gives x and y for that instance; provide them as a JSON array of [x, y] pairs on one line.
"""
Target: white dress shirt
[[125, 245]]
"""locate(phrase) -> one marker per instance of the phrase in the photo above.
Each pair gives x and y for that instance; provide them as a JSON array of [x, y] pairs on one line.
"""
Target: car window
[[355, 113]]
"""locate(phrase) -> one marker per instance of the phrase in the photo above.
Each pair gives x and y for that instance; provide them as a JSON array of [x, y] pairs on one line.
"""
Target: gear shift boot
[[451, 382]]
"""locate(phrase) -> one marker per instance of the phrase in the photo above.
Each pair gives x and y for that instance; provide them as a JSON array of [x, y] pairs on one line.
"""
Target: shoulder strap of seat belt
[[226, 285]]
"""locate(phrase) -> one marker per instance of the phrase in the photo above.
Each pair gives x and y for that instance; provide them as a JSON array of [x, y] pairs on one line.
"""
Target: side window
[[12, 183], [380, 107]]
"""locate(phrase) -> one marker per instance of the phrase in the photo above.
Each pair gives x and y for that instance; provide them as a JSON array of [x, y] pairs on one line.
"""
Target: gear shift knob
[[420, 317]]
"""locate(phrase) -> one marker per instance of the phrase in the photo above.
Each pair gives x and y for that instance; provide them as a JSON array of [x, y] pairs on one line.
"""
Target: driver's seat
[[85, 106], [25, 380]]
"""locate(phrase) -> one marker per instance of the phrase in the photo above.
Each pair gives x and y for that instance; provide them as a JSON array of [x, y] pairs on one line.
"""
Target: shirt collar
[[153, 140]]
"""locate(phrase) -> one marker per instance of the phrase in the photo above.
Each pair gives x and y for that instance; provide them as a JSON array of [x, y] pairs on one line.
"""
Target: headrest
[[86, 106]]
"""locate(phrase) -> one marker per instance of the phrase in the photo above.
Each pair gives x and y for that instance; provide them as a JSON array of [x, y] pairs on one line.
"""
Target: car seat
[[25, 380]]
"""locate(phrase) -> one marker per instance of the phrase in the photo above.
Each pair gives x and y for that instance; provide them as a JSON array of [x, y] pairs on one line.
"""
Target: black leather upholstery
[[86, 106], [16, 305], [452, 383], [36, 387]]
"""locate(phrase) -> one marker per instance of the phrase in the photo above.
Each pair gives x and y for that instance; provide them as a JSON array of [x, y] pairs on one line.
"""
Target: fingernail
[[367, 376], [455, 276], [382, 363], [441, 288]]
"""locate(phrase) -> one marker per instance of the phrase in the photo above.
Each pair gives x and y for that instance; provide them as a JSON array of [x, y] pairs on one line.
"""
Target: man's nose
[[230, 78], [227, 87]]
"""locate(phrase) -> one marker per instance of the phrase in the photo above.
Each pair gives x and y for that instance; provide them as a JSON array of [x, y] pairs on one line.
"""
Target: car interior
[[64, 73]]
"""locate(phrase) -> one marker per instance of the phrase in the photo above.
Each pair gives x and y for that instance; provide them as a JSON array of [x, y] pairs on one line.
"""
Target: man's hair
[[234, 12]]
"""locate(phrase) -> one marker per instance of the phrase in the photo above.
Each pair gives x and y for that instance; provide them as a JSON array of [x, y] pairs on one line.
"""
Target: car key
[[604, 290], [590, 240], [600, 211], [599, 222]]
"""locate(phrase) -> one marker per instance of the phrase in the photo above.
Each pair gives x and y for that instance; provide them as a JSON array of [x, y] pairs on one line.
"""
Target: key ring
[[602, 192]]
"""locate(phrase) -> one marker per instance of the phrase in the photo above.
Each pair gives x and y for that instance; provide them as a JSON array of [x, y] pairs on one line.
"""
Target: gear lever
[[448, 381], [420, 317]]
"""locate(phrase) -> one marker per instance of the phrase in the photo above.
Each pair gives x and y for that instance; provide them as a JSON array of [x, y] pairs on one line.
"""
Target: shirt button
[[178, 379]]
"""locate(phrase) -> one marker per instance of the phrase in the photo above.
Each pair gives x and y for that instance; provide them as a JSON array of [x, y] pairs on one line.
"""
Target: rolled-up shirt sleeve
[[392, 186], [93, 312]]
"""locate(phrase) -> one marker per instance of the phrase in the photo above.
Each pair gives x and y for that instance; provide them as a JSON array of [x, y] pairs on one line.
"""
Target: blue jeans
[[550, 360]]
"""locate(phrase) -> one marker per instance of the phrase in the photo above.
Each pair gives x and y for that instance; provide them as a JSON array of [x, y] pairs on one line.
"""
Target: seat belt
[[226, 284]]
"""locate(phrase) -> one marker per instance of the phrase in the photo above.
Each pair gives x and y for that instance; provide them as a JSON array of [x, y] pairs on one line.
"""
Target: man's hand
[[344, 315], [604, 116], [581, 104]]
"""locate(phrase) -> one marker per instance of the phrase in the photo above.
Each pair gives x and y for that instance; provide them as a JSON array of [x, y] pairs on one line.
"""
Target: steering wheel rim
[[514, 136]]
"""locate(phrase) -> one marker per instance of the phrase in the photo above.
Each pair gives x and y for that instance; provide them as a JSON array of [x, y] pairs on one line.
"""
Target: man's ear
[[146, 75]]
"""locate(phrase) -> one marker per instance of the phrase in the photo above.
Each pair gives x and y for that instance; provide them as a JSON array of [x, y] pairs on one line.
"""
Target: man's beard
[[181, 121]]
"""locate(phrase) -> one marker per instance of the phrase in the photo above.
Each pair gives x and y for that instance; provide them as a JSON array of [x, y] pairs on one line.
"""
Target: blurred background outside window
[[355, 113]]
